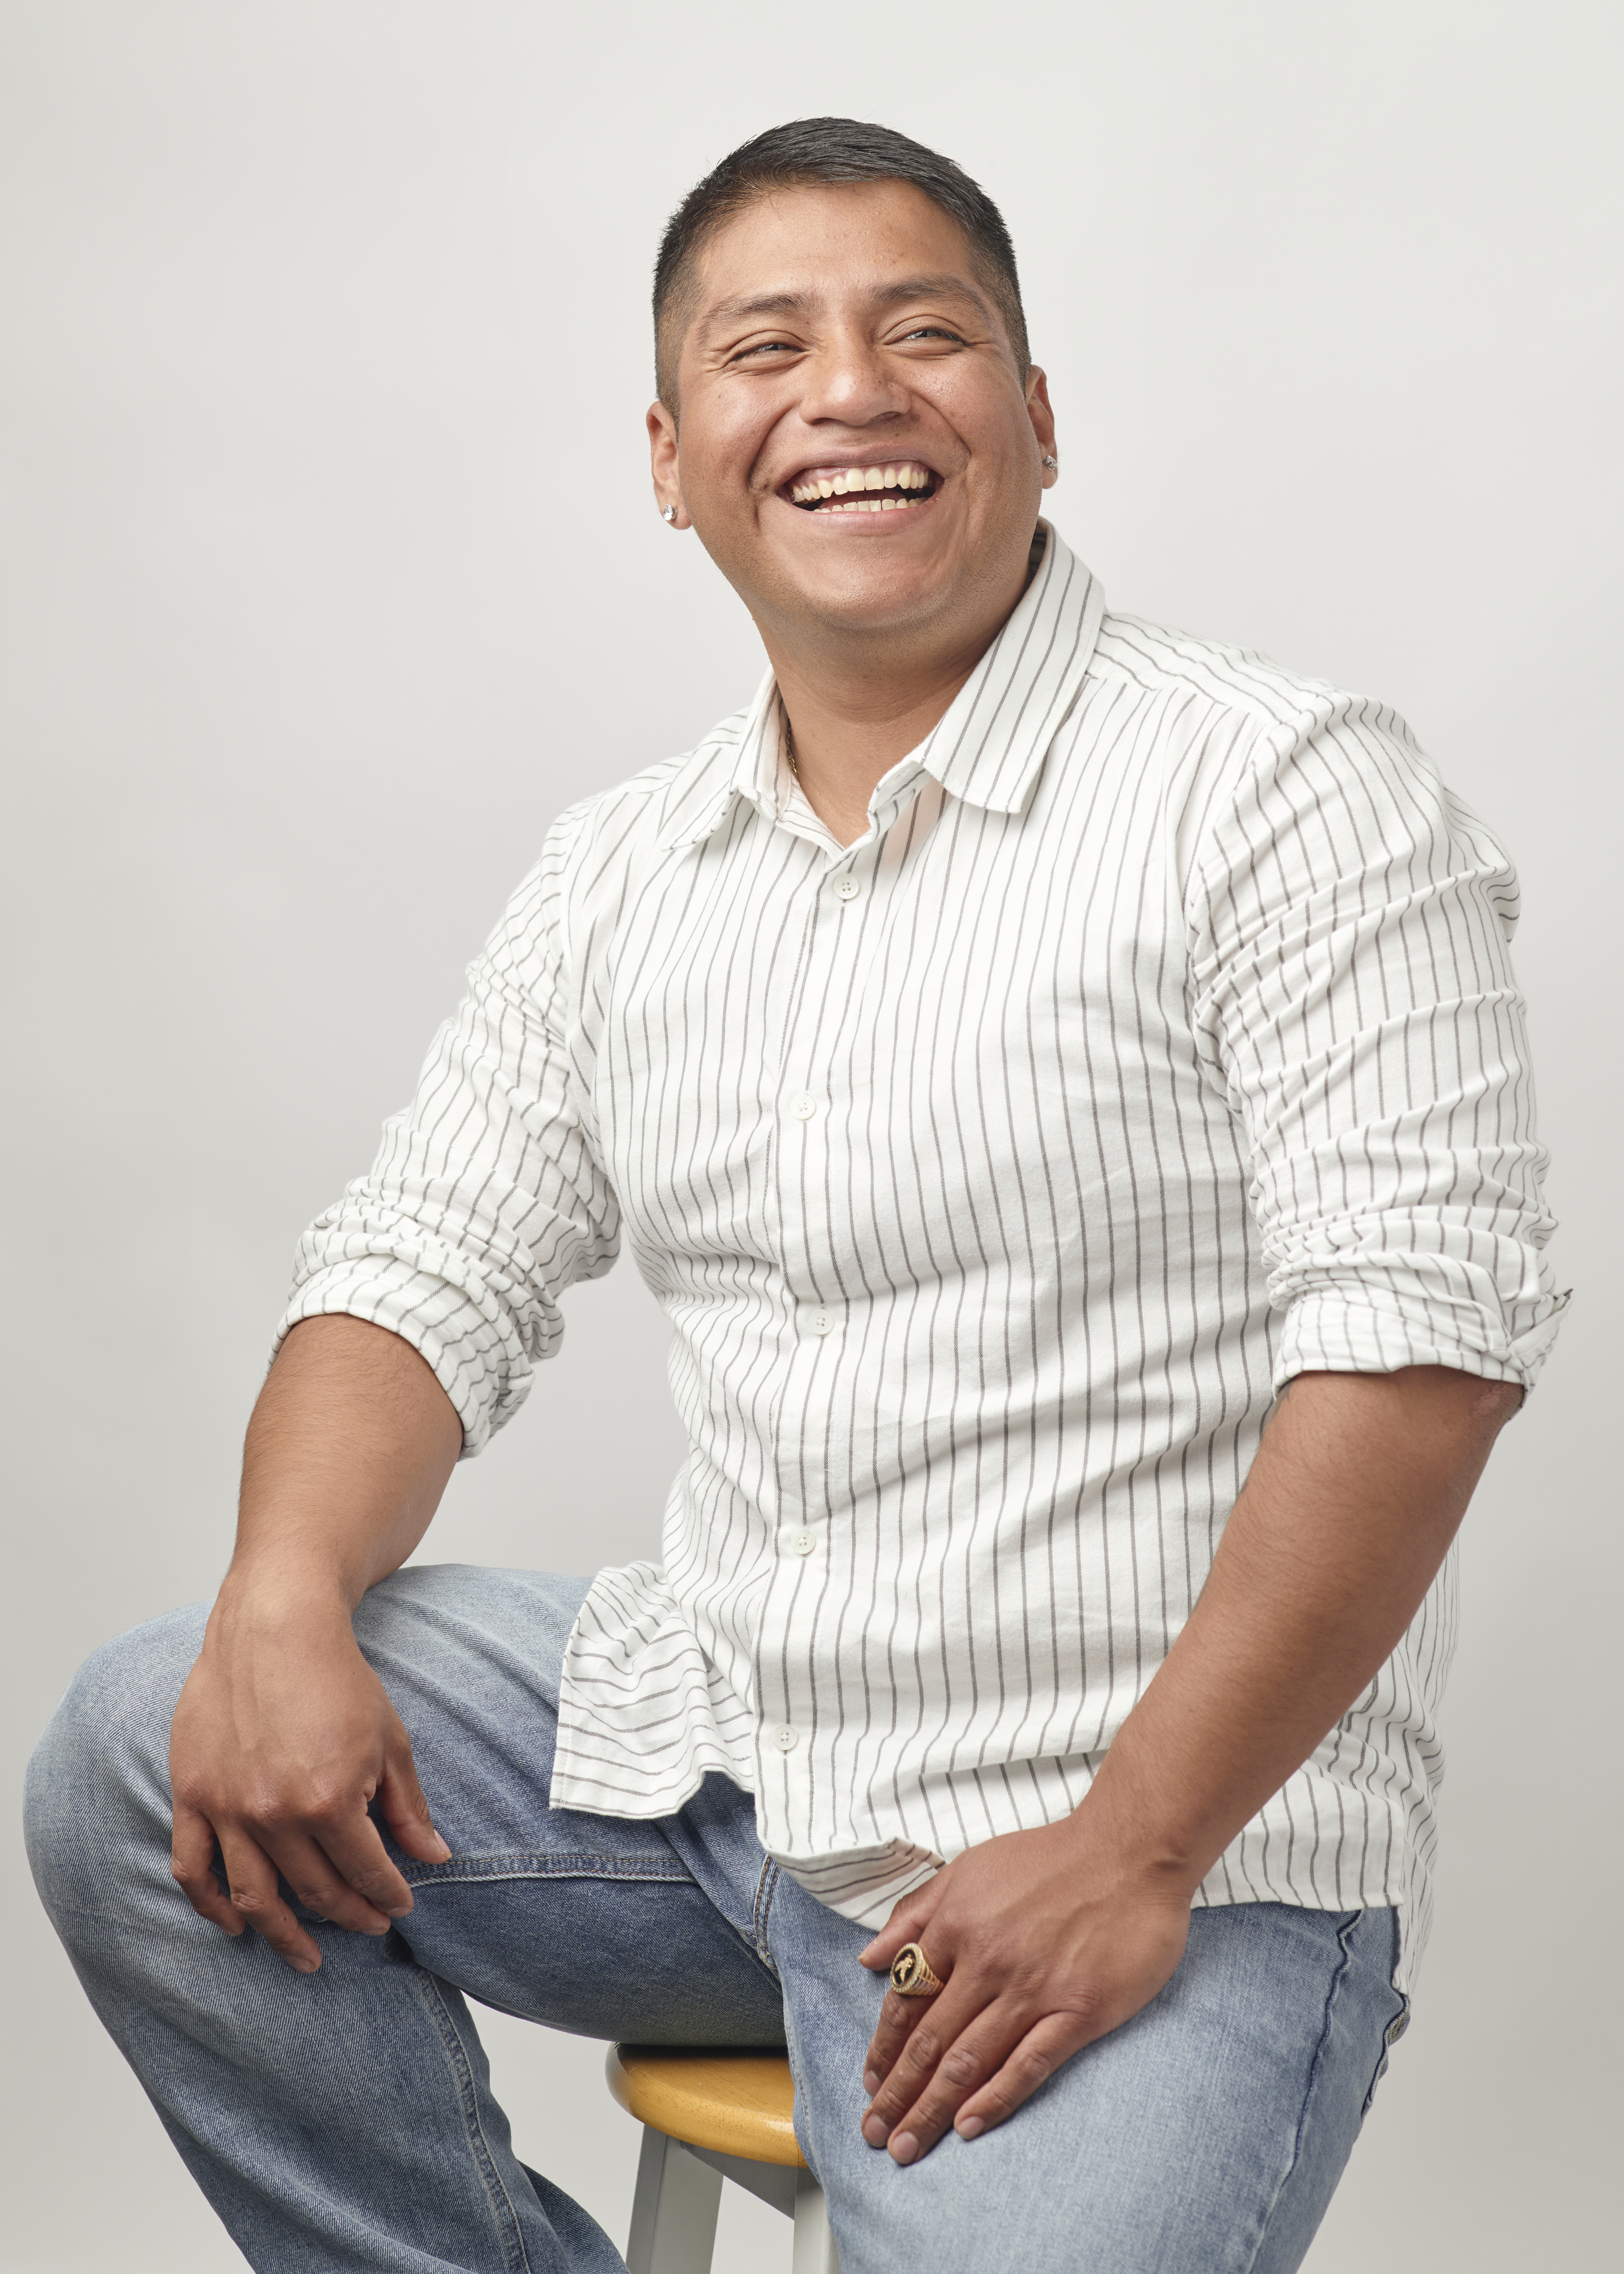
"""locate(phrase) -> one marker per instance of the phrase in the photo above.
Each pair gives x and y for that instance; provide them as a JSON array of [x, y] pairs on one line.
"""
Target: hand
[[283, 1735], [1045, 1941]]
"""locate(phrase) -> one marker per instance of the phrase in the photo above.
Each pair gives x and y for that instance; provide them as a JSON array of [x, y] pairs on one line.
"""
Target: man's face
[[839, 333]]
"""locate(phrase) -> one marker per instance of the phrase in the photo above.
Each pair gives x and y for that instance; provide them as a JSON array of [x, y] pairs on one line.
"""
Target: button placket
[[814, 1142]]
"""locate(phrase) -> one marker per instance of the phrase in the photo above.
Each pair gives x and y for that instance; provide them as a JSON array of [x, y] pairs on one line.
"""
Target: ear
[[663, 463], [1042, 419]]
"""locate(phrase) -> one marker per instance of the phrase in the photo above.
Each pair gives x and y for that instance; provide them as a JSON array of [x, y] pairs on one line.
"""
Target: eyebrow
[[798, 304]]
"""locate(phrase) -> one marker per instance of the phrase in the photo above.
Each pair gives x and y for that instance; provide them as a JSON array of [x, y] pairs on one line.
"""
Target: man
[[1026, 1051]]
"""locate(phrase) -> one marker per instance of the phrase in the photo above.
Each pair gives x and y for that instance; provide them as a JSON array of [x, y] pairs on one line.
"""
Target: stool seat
[[734, 2103]]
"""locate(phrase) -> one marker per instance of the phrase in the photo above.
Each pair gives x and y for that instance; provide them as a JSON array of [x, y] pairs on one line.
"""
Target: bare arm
[[1054, 1937], [283, 1734]]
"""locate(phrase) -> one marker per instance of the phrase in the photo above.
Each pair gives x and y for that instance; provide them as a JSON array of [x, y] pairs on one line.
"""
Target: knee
[[97, 1792]]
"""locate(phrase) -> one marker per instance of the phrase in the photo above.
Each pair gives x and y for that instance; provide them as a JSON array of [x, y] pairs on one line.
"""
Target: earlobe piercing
[[670, 513], [1052, 463]]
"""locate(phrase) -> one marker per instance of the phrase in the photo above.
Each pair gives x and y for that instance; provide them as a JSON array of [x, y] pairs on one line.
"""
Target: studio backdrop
[[326, 524]]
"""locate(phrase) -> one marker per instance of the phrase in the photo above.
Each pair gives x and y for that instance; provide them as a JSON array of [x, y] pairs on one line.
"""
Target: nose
[[850, 381]]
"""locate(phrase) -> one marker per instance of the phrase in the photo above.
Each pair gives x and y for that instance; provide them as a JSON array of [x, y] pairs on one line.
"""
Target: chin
[[868, 594]]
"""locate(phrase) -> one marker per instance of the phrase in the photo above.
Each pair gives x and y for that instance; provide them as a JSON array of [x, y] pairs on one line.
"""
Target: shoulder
[[1248, 723], [1242, 685], [1272, 757], [652, 809], [599, 850]]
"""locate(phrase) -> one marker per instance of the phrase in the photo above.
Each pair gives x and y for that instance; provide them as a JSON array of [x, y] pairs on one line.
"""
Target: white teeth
[[906, 476]]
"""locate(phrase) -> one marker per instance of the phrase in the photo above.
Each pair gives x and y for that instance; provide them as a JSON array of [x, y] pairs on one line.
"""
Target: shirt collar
[[987, 748]]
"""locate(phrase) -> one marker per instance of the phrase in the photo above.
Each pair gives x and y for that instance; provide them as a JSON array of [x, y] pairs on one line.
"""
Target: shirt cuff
[[1378, 1331], [476, 1358]]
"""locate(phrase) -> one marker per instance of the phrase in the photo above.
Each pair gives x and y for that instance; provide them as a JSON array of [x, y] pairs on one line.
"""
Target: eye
[[934, 332], [766, 347]]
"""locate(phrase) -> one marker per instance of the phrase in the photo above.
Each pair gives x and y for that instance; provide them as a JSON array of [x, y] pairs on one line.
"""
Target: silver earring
[[1053, 464], [670, 513]]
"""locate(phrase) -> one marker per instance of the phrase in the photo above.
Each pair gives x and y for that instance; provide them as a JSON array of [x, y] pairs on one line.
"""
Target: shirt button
[[822, 1322], [804, 1107], [847, 889], [803, 1542], [786, 1739]]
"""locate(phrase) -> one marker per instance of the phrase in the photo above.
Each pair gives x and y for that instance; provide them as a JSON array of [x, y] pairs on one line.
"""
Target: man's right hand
[[282, 1738], [284, 1735]]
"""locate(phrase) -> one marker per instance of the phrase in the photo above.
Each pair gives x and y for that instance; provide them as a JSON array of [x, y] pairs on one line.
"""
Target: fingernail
[[307, 1965], [444, 1856], [904, 2148], [874, 2131], [872, 2081], [970, 2127], [405, 1912]]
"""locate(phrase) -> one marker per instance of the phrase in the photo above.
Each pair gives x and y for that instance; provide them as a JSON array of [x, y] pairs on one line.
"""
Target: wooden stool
[[707, 2117]]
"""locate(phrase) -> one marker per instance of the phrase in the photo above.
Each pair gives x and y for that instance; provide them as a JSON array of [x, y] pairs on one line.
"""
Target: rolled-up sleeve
[[1350, 925], [486, 1199]]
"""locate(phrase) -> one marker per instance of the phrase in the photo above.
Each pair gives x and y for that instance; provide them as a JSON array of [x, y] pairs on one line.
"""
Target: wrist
[[1148, 1848], [267, 1596]]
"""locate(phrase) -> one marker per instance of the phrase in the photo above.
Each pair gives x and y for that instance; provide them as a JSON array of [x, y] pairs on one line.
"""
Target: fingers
[[192, 1867], [335, 1860], [937, 2035], [406, 1810], [1032, 2063], [258, 1903], [974, 2082], [899, 2018], [907, 1923]]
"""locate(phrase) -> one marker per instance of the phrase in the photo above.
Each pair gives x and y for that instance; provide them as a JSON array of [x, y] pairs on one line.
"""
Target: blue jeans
[[344, 2119]]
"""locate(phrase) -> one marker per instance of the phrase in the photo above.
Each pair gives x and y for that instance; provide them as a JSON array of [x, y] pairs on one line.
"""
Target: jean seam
[[765, 1887], [468, 1869], [1344, 1936], [506, 2218]]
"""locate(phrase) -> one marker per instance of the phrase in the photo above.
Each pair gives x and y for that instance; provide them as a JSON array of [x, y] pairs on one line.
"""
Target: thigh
[[1203, 2137], [605, 1925], [591, 1923]]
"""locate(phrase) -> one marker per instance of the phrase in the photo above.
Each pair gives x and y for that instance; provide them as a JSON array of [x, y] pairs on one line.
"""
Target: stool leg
[[673, 2211], [815, 2246]]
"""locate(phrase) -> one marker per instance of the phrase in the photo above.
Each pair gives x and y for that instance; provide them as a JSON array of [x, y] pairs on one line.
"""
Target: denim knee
[[96, 1800]]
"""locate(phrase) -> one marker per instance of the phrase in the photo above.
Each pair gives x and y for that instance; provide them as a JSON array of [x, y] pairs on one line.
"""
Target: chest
[[894, 1059]]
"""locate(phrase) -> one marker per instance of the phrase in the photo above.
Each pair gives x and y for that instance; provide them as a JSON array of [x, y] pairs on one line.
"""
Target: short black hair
[[832, 150]]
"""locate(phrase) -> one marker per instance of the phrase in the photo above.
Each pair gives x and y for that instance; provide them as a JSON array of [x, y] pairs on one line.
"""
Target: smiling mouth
[[865, 489]]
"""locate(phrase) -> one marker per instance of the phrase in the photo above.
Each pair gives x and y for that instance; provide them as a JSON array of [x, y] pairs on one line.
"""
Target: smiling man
[[1027, 1052]]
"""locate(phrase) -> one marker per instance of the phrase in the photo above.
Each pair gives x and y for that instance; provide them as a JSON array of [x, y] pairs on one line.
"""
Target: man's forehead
[[823, 240]]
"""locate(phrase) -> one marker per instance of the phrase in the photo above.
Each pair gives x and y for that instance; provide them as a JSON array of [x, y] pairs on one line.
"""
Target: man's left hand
[[1044, 1942]]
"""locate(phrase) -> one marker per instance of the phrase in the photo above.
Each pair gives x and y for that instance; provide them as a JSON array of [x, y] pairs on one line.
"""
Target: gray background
[[326, 533]]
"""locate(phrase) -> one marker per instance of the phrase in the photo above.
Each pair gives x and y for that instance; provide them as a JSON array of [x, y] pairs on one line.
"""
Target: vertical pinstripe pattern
[[1157, 1041]]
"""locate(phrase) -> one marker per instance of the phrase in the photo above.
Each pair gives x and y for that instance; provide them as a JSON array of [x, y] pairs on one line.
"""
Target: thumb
[[906, 1925], [405, 1807]]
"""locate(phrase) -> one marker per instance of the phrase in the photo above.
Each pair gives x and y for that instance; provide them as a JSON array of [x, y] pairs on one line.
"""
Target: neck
[[856, 705], [847, 733]]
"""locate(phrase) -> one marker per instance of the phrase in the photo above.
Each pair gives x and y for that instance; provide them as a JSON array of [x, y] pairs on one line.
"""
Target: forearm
[[348, 1452], [1351, 1504]]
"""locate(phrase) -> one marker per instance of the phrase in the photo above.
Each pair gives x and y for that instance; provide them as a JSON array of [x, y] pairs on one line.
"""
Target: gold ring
[[912, 1974]]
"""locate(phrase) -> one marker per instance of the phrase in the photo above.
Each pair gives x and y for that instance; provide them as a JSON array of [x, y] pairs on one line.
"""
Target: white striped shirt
[[1156, 1041]]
